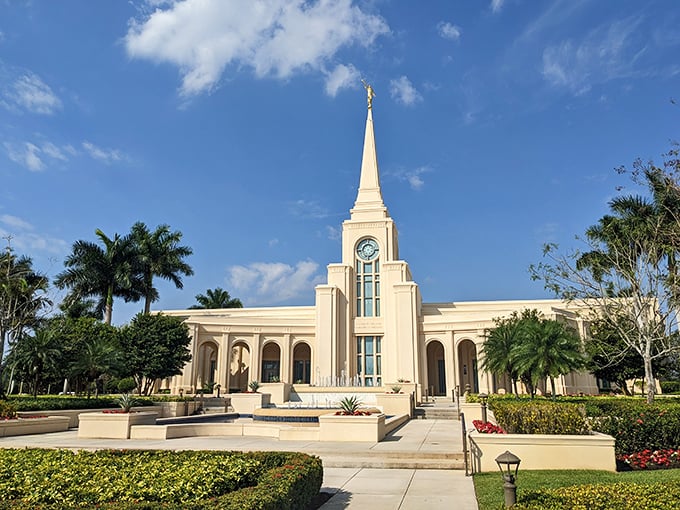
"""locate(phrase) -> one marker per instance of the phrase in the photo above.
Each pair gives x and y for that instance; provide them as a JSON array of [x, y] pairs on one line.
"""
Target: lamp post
[[508, 463], [484, 398]]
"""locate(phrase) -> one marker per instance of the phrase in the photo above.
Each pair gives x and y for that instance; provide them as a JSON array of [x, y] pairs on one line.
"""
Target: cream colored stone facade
[[359, 331]]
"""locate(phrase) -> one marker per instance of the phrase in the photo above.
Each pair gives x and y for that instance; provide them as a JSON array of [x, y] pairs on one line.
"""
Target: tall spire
[[369, 203]]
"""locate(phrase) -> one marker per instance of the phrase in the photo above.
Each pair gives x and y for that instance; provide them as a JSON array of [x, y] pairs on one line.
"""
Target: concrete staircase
[[215, 405], [436, 411], [392, 460]]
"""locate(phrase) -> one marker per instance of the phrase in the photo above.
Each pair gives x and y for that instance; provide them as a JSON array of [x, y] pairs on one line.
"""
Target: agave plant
[[126, 402], [253, 385], [396, 389], [350, 405]]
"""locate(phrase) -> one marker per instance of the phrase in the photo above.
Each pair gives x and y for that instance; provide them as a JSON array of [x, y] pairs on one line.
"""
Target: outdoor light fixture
[[508, 463], [484, 398]]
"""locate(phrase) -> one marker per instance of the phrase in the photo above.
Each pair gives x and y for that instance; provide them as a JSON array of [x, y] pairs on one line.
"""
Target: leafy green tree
[[23, 299], [629, 268], [102, 273], [32, 355], [78, 308], [217, 298], [155, 347], [160, 255]]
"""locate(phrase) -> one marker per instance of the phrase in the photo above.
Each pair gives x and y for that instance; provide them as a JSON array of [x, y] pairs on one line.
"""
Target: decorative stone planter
[[395, 404], [174, 409], [279, 391], [113, 425], [246, 403], [472, 411], [334, 427], [26, 426], [538, 451]]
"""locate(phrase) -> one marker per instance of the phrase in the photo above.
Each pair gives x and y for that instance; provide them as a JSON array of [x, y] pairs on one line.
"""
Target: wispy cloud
[[276, 38], [307, 209], [105, 155], [26, 155], [30, 93], [403, 91], [24, 238], [413, 177], [496, 5], [274, 282], [448, 30], [333, 233], [343, 76], [608, 52]]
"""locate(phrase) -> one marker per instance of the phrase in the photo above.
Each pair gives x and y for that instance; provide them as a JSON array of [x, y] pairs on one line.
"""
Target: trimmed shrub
[[670, 387], [623, 496], [128, 479], [54, 403], [540, 417], [8, 411], [637, 427]]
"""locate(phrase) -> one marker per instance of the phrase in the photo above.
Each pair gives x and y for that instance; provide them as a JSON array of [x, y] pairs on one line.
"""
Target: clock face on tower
[[367, 249]]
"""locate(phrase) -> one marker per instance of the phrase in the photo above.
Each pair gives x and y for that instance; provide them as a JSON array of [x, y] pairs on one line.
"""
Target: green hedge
[[145, 480], [619, 496], [540, 417], [54, 403], [637, 427], [670, 387]]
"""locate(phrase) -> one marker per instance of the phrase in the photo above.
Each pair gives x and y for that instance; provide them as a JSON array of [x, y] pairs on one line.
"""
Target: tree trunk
[[147, 304], [552, 386], [649, 378], [108, 311]]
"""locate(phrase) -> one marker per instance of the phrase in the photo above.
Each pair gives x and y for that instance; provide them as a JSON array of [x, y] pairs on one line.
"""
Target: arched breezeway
[[467, 366], [239, 367], [436, 368], [207, 364], [271, 362]]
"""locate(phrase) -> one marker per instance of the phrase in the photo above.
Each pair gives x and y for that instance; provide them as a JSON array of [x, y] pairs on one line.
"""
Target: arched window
[[368, 279]]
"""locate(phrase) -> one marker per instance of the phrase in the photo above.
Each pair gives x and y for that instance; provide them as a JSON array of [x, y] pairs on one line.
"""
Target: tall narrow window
[[369, 366], [368, 279]]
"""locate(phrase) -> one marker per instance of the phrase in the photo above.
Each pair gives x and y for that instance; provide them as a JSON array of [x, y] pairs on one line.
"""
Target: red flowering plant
[[487, 427], [657, 459]]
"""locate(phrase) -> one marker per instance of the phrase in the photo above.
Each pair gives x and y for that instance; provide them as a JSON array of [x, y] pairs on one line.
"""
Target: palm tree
[[35, 354], [102, 273], [160, 254], [218, 298], [98, 356], [497, 349], [22, 298], [547, 349]]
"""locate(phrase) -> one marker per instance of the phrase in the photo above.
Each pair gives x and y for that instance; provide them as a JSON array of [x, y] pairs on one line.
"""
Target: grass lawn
[[489, 486]]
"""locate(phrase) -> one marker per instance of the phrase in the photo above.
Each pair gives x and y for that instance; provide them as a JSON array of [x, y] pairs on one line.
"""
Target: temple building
[[368, 327]]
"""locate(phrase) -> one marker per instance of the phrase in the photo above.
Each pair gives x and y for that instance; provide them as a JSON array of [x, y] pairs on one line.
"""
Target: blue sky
[[240, 123]]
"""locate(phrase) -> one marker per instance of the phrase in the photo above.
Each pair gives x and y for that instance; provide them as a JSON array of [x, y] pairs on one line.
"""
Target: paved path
[[353, 487]]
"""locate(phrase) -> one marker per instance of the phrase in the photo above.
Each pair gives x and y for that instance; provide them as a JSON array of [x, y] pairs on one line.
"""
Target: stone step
[[436, 413], [408, 461]]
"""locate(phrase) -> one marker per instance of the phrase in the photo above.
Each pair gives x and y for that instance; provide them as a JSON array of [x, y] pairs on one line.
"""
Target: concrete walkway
[[357, 474]]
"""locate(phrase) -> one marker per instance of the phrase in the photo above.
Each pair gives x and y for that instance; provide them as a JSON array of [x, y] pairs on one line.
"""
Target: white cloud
[[274, 282], [34, 95], [496, 5], [275, 38], [343, 76], [24, 239], [53, 151], [414, 177], [606, 53], [403, 91], [106, 155], [448, 30], [308, 209], [273, 242], [15, 222], [26, 155], [333, 233]]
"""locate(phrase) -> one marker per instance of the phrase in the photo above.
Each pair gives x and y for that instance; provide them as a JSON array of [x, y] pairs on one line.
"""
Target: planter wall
[[174, 409], [352, 428], [22, 427], [279, 392], [538, 451], [246, 403], [113, 425], [394, 404]]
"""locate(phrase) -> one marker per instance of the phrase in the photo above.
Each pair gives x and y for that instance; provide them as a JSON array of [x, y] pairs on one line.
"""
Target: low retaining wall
[[27, 426], [352, 428], [113, 425], [538, 451]]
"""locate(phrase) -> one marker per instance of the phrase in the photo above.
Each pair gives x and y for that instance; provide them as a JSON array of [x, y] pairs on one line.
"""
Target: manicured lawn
[[489, 486]]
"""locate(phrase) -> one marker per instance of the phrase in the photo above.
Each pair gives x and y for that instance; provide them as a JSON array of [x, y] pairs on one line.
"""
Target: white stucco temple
[[368, 326]]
